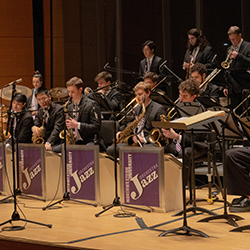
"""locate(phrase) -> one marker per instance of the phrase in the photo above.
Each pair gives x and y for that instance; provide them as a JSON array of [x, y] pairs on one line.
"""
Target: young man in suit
[[85, 114], [22, 120], [198, 73], [152, 112], [50, 115], [240, 55], [151, 62]]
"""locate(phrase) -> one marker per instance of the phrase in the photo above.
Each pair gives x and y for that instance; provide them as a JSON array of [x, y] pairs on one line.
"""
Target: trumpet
[[227, 63]]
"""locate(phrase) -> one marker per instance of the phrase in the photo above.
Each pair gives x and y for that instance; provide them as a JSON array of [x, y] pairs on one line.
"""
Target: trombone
[[244, 112], [133, 100]]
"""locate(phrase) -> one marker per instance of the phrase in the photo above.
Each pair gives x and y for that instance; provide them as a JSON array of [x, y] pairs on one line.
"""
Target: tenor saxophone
[[127, 134], [38, 139]]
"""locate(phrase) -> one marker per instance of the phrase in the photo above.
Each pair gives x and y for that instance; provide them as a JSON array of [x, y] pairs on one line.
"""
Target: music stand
[[181, 127], [228, 127], [66, 195], [162, 99], [207, 102], [15, 215]]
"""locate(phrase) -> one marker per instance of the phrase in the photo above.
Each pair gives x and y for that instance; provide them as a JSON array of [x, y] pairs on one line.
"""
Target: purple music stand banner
[[1, 167], [141, 178], [30, 170], [81, 174]]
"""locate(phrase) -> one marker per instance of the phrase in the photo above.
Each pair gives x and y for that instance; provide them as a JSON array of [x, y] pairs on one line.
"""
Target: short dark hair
[[20, 98], [234, 30], [105, 75], [42, 90], [150, 44], [199, 67], [75, 81], [151, 75], [190, 86]]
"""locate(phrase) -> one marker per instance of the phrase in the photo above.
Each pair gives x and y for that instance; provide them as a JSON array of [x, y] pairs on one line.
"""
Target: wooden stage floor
[[74, 226]]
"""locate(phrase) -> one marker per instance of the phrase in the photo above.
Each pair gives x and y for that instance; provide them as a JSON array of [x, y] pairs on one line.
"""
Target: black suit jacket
[[153, 112], [212, 91], [54, 125], [205, 57], [24, 124], [239, 64], [90, 119], [154, 67]]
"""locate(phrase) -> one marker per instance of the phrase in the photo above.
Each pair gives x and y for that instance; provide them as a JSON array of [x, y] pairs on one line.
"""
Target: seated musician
[[188, 90], [198, 73], [86, 121], [146, 112], [49, 121], [111, 95], [238, 180], [153, 79], [22, 120]]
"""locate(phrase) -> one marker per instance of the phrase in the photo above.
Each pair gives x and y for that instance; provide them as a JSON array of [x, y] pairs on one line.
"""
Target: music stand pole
[[15, 215], [116, 201], [185, 227], [194, 208], [231, 218], [66, 195]]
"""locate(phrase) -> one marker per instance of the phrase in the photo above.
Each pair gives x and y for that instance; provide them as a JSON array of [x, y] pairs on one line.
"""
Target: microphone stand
[[15, 215], [66, 195], [116, 201]]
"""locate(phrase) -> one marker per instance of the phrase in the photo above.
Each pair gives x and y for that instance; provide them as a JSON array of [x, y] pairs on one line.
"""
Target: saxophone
[[127, 134], [38, 139], [70, 137]]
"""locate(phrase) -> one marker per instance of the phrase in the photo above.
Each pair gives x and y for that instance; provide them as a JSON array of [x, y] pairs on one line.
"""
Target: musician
[[240, 61], [151, 62], [198, 50], [86, 120], [110, 94], [238, 180], [198, 73], [32, 103], [188, 91], [51, 115], [152, 78], [152, 110], [22, 120]]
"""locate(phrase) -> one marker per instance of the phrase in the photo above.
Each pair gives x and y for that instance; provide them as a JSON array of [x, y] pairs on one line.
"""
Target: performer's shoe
[[242, 206], [238, 200]]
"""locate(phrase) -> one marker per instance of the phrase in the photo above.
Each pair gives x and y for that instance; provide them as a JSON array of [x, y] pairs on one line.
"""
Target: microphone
[[11, 83]]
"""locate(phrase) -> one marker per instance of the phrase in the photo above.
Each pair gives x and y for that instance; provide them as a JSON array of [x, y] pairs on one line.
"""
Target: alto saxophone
[[70, 137]]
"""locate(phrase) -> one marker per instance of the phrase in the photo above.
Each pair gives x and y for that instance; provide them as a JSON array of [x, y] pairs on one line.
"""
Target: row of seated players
[[86, 122]]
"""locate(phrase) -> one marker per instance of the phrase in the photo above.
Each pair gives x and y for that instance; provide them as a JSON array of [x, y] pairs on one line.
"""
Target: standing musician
[[111, 95], [85, 114], [151, 62], [188, 91], [147, 112], [22, 121], [49, 121], [32, 103], [198, 73], [198, 50], [239, 55]]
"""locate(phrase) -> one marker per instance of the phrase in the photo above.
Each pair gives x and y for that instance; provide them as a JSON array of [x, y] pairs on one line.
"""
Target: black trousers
[[237, 163]]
